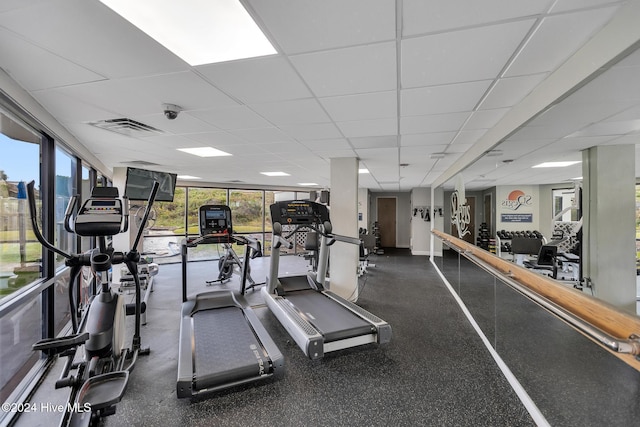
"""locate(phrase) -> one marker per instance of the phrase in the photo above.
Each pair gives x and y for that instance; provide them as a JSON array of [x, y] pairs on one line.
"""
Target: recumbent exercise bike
[[99, 377]]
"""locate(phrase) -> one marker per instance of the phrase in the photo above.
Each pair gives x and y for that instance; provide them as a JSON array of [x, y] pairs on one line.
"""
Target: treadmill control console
[[215, 220], [299, 212]]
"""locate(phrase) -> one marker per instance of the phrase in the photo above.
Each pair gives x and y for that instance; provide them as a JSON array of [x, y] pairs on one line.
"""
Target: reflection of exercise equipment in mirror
[[559, 257], [138, 213], [147, 270]]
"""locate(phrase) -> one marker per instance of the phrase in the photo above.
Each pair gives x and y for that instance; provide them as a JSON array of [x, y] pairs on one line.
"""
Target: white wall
[[509, 204], [420, 228], [363, 208]]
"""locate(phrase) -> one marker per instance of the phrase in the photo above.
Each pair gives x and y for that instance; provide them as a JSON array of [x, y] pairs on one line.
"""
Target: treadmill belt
[[334, 321], [226, 349]]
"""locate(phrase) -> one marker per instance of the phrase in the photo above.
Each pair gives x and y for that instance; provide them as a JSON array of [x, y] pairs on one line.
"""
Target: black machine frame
[[318, 320], [222, 341], [98, 378]]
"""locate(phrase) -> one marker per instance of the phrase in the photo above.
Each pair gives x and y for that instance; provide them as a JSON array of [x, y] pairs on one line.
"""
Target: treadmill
[[318, 320], [222, 342]]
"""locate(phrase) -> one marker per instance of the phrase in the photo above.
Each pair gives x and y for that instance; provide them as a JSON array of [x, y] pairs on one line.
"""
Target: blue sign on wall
[[516, 217]]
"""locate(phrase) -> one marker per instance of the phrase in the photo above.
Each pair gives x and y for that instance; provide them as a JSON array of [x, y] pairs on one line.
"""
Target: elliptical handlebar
[[68, 212], [31, 199]]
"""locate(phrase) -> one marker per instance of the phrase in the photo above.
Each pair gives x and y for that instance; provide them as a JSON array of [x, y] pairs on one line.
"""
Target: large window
[[247, 209], [197, 197], [65, 188], [20, 253], [166, 229]]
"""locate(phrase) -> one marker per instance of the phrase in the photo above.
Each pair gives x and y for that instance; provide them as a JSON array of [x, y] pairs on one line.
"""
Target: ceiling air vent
[[235, 181], [140, 163], [126, 126]]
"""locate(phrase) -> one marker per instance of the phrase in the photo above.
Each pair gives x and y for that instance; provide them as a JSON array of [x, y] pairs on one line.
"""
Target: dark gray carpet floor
[[435, 371]]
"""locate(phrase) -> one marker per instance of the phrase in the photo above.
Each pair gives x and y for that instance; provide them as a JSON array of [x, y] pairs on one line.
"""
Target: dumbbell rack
[[503, 239]]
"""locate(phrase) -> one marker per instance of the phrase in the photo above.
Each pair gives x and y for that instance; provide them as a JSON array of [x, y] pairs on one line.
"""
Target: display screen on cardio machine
[[99, 217], [299, 212], [215, 219]]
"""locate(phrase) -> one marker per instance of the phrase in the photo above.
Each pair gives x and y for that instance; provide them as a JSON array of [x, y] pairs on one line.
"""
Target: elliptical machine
[[99, 378]]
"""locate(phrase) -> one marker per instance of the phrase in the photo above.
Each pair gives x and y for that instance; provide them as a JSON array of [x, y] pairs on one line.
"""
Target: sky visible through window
[[18, 159]]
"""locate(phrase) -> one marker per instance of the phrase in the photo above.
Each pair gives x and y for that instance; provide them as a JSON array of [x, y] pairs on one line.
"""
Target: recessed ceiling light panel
[[199, 32], [556, 164], [204, 151], [275, 173]]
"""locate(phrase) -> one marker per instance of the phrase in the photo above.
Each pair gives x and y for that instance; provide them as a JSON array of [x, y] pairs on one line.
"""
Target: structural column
[[344, 257], [609, 251]]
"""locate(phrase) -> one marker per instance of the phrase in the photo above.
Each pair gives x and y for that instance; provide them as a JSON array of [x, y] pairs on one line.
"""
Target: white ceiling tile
[[566, 33], [377, 156], [433, 123], [617, 84], [239, 117], [430, 16], [632, 60], [460, 56], [257, 80], [290, 148], [184, 124], [23, 55], [566, 5], [292, 112], [309, 25], [238, 150], [420, 154], [452, 98], [147, 95], [376, 105], [217, 139], [262, 135], [627, 114], [360, 69], [312, 131], [329, 154], [509, 91], [126, 51], [436, 138], [361, 128], [327, 144], [609, 128], [485, 119], [393, 186], [468, 137], [71, 109], [458, 148], [374, 142]]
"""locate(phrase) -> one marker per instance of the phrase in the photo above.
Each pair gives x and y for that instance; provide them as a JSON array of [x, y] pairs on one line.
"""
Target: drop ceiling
[[417, 90]]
